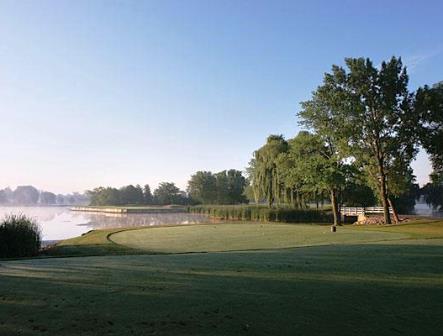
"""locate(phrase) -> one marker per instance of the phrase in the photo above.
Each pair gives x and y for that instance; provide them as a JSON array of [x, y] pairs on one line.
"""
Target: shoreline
[[129, 209]]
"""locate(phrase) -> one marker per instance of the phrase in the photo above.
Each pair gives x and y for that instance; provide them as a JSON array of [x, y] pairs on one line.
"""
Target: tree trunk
[[394, 211], [335, 209], [383, 192], [316, 199], [292, 198]]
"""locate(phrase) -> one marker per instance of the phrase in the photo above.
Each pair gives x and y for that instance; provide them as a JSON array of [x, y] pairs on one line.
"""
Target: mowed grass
[[241, 236], [322, 290], [361, 281]]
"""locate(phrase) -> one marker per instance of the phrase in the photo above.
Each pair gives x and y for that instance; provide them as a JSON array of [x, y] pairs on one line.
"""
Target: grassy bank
[[263, 214]]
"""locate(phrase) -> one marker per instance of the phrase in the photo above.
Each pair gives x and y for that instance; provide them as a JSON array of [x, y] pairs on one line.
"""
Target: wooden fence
[[355, 211]]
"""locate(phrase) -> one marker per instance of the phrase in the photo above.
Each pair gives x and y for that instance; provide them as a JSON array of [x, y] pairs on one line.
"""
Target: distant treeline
[[166, 193], [225, 187], [30, 195]]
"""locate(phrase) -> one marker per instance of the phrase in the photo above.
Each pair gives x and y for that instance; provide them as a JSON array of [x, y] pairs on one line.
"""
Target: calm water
[[61, 223]]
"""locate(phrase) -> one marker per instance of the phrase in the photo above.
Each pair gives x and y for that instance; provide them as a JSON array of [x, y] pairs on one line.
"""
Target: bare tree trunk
[[335, 209], [394, 211], [292, 197], [383, 192]]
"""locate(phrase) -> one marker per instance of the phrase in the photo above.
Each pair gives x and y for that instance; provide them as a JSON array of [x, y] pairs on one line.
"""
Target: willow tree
[[294, 190], [264, 173]]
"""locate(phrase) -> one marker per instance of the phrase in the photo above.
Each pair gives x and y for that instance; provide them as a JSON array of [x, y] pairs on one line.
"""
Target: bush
[[263, 214], [20, 236]]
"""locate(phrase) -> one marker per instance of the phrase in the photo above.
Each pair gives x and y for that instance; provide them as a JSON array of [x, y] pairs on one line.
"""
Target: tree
[[167, 193], [317, 163], [325, 115], [433, 192], [202, 187], [60, 199], [236, 184], [104, 196], [429, 106], [131, 195], [356, 192], [384, 121], [26, 195], [264, 174], [371, 113], [3, 197], [47, 198], [147, 195]]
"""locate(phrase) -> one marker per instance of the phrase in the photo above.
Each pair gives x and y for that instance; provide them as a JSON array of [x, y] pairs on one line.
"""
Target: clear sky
[[117, 92]]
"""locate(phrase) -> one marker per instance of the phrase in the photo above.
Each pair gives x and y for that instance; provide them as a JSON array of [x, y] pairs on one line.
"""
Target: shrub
[[263, 214], [20, 236]]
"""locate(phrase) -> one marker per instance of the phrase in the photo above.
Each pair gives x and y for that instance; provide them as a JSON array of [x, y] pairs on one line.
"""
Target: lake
[[62, 223]]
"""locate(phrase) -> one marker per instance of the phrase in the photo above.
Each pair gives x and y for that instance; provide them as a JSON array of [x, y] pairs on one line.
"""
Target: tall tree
[[383, 119], [236, 184], [26, 195], [264, 175], [47, 198], [167, 193], [429, 106], [202, 187], [147, 195], [317, 163], [370, 111], [325, 114]]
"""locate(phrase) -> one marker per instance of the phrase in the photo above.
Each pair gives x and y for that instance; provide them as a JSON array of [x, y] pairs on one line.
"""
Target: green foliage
[[202, 187], [429, 107], [167, 193], [20, 236], [367, 113], [263, 214], [147, 195], [433, 191], [263, 170], [225, 187]]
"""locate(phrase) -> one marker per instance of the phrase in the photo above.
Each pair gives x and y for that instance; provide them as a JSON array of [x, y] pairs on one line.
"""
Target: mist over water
[[61, 223]]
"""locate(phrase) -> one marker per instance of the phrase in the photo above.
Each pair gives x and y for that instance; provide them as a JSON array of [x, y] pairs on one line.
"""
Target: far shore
[[131, 209]]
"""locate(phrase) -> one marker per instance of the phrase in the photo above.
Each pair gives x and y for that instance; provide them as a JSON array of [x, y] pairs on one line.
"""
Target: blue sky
[[117, 92]]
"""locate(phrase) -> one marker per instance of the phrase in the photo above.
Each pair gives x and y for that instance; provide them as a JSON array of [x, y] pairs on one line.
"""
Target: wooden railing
[[355, 211]]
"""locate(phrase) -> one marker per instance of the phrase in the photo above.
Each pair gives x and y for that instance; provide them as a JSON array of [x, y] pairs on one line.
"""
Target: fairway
[[378, 280], [242, 236], [324, 290]]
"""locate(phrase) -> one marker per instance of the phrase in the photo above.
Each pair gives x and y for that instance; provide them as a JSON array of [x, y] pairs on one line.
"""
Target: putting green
[[242, 236]]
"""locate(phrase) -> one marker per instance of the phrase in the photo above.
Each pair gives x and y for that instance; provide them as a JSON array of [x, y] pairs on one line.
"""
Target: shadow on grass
[[346, 290]]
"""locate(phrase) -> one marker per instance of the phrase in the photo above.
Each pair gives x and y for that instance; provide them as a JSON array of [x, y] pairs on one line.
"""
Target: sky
[[124, 92]]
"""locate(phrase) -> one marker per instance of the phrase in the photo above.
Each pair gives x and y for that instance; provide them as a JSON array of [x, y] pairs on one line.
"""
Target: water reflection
[[422, 209], [61, 223]]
